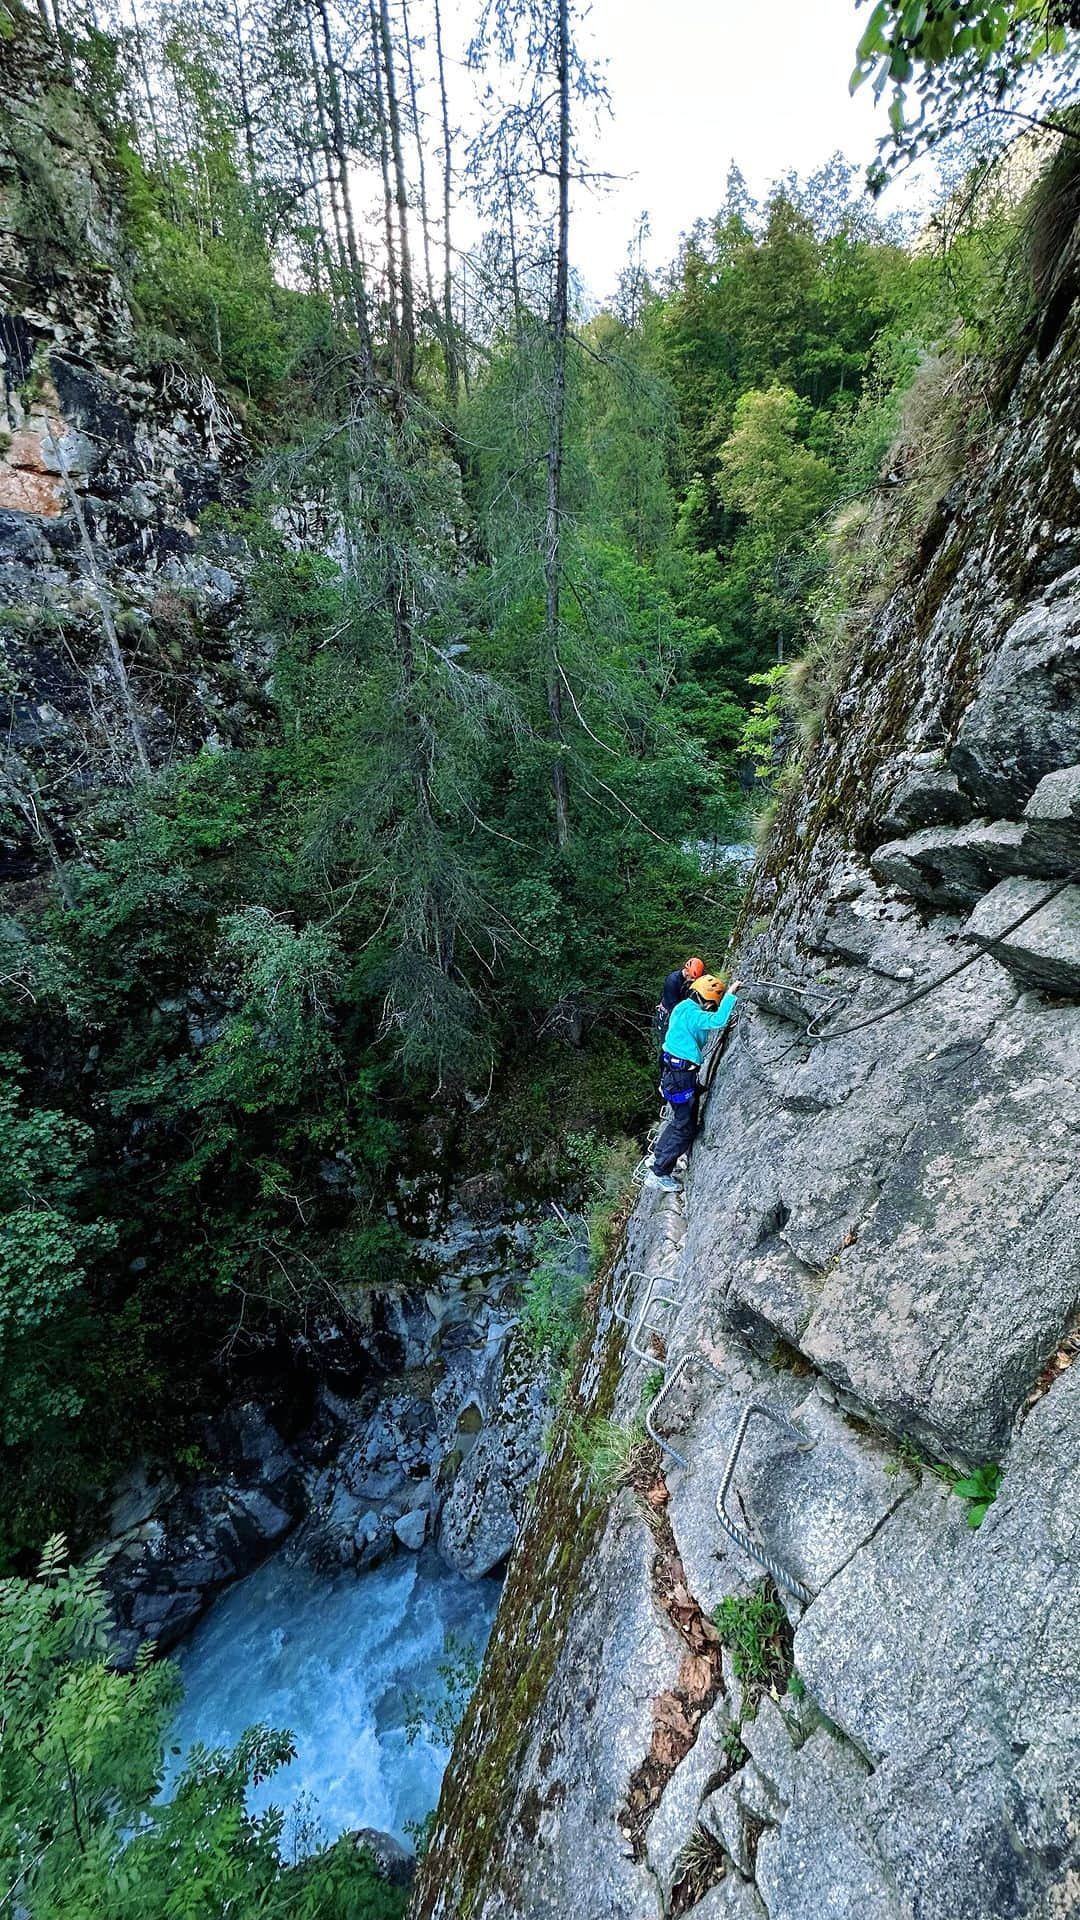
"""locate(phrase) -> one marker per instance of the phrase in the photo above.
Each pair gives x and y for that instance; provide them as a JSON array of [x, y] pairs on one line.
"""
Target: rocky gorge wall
[[121, 648], [879, 1242]]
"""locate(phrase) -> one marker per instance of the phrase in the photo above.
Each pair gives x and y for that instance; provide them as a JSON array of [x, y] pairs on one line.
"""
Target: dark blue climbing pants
[[677, 1137]]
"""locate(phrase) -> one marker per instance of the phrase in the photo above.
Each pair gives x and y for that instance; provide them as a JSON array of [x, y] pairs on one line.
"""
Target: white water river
[[334, 1658]]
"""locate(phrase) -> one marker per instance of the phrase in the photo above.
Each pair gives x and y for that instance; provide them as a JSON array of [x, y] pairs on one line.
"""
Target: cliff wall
[[120, 641], [879, 1242]]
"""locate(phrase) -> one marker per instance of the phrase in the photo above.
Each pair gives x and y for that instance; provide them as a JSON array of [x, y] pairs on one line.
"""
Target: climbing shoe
[[665, 1181]]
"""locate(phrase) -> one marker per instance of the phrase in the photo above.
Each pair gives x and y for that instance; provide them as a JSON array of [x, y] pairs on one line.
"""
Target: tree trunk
[[515, 290], [393, 327], [425, 227], [401, 198], [559, 324], [449, 342], [338, 266], [104, 601], [337, 122], [245, 103]]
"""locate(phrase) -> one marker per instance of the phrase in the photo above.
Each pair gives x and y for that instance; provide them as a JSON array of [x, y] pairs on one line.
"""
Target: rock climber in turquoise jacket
[[707, 1009]]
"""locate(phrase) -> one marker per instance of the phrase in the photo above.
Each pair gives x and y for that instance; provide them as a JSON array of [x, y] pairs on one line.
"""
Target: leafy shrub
[[82, 1754], [757, 1633], [554, 1291], [47, 1242]]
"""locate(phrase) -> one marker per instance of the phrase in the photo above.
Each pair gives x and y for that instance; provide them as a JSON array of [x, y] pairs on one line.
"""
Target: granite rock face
[[879, 1243], [123, 643]]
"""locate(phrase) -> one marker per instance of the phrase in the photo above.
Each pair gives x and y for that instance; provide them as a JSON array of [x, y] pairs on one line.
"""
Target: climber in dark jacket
[[707, 1009], [675, 989]]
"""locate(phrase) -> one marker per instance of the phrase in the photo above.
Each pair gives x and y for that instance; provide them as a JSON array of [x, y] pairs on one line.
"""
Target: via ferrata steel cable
[[982, 948]]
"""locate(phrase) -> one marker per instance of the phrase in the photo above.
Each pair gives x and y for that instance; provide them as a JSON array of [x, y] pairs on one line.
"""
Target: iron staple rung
[[622, 1297], [682, 1366], [642, 1323], [742, 1540]]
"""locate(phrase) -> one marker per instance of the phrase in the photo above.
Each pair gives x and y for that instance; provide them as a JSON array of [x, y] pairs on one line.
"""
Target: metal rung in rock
[[643, 1325], [623, 1296], [622, 1299], [735, 1533], [683, 1366]]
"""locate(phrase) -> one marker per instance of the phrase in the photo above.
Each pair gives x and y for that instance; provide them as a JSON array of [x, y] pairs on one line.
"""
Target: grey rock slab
[[562, 1845], [950, 868], [767, 1738], [396, 1864], [1052, 823], [865, 1647], [411, 1529], [813, 1509], [255, 1510], [732, 1899], [927, 794], [954, 1656], [962, 1276], [164, 1617], [483, 1509], [822, 1862], [1045, 952], [1025, 718], [728, 1817], [676, 1816]]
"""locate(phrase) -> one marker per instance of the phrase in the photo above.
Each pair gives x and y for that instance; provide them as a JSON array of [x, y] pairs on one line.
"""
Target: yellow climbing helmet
[[709, 990]]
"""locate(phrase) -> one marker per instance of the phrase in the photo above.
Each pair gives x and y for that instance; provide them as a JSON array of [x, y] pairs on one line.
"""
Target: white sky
[[696, 84]]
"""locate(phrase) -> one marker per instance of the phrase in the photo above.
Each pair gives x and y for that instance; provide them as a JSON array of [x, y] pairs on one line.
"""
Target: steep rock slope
[[119, 647], [879, 1242]]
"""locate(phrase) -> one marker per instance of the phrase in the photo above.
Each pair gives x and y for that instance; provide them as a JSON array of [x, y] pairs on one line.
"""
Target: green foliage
[[944, 64], [610, 1452], [650, 1387], [458, 1670], [553, 1296], [757, 1632], [47, 1243], [82, 1829], [978, 1488], [761, 734]]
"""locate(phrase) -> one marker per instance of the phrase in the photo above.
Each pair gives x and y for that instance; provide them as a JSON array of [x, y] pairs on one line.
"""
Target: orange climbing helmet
[[708, 991], [694, 969]]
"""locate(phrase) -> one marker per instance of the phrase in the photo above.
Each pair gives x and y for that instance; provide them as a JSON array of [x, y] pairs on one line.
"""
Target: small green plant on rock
[[979, 1488], [651, 1386], [757, 1633]]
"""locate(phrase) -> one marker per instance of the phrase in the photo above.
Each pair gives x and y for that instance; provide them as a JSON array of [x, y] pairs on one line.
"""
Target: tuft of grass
[[610, 1453], [702, 1862]]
